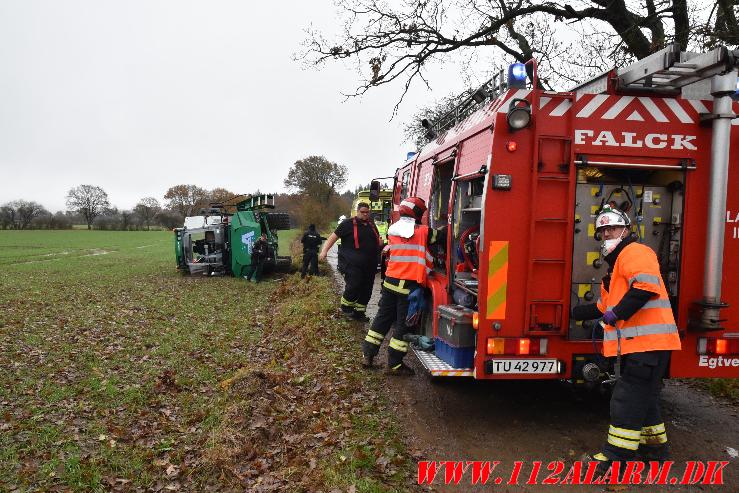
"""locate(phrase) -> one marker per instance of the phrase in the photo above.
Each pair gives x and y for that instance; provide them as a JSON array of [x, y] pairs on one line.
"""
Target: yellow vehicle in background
[[380, 209]]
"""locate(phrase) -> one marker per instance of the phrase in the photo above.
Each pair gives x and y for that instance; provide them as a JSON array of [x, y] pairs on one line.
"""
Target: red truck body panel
[[528, 232]]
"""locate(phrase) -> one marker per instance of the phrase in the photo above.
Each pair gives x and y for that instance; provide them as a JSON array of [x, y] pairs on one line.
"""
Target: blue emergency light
[[735, 97], [409, 155], [517, 75]]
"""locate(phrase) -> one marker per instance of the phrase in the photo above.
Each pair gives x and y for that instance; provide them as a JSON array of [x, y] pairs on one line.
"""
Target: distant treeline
[[303, 210], [314, 180]]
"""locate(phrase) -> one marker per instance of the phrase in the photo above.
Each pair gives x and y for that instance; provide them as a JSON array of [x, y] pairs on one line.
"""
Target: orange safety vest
[[409, 258], [652, 328]]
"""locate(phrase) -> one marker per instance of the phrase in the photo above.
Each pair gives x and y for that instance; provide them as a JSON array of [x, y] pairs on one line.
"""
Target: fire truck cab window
[[465, 231], [404, 184], [439, 202]]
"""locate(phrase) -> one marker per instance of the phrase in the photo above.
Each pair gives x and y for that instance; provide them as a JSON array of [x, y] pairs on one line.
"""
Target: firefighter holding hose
[[640, 331]]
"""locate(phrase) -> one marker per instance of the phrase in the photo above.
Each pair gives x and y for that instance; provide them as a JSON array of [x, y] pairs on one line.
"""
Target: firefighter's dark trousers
[[636, 421], [254, 271], [310, 263], [358, 281], [393, 309]]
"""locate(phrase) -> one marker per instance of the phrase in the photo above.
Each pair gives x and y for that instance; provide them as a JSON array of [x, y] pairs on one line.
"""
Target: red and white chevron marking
[[632, 108], [597, 106]]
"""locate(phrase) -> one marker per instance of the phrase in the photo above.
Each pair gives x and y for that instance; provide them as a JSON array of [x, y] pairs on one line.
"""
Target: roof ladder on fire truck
[[486, 92], [667, 70]]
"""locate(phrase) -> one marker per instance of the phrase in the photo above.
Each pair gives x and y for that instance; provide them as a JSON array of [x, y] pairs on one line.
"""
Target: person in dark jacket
[[311, 243], [259, 254], [360, 246]]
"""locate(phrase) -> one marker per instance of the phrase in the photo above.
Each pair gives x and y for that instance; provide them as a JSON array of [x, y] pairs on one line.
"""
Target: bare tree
[[89, 201], [60, 221], [19, 214], [186, 199], [42, 221], [7, 216], [127, 218], [219, 194], [413, 130], [146, 210], [27, 211], [721, 26], [169, 219], [397, 42], [316, 176]]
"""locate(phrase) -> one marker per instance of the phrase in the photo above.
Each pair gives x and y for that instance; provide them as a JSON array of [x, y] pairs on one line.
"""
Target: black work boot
[[658, 453], [400, 370], [368, 361], [360, 316], [604, 463]]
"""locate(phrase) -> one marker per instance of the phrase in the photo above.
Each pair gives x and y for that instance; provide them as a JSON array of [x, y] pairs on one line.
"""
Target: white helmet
[[610, 216]]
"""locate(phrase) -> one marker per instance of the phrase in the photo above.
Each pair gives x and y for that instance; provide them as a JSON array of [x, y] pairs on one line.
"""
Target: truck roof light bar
[[517, 76]]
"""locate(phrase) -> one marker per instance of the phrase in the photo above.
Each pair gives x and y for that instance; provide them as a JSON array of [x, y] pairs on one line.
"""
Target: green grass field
[[286, 239], [117, 373]]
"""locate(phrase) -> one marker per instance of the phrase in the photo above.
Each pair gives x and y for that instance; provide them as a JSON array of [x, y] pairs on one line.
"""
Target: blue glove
[[416, 306], [610, 318]]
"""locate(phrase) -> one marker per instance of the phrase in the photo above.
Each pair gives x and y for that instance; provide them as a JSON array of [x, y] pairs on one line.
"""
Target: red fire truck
[[518, 183]]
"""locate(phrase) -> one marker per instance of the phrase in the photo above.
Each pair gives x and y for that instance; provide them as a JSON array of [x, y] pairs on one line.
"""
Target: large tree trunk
[[682, 22], [727, 29]]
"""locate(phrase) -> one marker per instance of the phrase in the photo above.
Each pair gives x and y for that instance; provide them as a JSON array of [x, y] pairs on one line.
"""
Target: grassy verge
[[304, 415], [287, 238], [117, 373], [722, 387]]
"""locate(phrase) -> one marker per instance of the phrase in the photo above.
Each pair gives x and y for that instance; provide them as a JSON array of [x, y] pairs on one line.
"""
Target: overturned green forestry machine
[[220, 240]]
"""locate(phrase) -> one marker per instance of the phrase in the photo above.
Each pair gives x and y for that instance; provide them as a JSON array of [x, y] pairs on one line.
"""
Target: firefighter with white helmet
[[612, 219], [408, 267], [639, 330]]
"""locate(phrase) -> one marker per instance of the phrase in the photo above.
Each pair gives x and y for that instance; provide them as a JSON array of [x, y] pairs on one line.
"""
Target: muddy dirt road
[[463, 419]]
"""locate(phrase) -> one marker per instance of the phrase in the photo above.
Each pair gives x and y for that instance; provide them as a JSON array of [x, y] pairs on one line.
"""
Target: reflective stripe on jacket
[[409, 258], [652, 328]]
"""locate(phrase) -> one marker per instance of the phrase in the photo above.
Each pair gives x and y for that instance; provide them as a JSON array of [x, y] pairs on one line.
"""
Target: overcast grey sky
[[137, 96]]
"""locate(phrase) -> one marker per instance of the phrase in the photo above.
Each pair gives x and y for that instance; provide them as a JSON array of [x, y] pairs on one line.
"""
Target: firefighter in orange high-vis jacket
[[639, 330], [409, 264]]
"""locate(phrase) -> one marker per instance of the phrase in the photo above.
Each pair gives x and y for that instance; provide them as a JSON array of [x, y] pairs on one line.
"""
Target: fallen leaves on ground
[[289, 417], [118, 374]]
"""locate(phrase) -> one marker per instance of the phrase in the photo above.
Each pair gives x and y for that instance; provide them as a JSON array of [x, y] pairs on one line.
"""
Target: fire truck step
[[438, 368]]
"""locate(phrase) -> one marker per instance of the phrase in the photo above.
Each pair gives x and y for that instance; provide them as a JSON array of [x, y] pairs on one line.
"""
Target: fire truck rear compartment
[[653, 201], [455, 339], [465, 231]]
